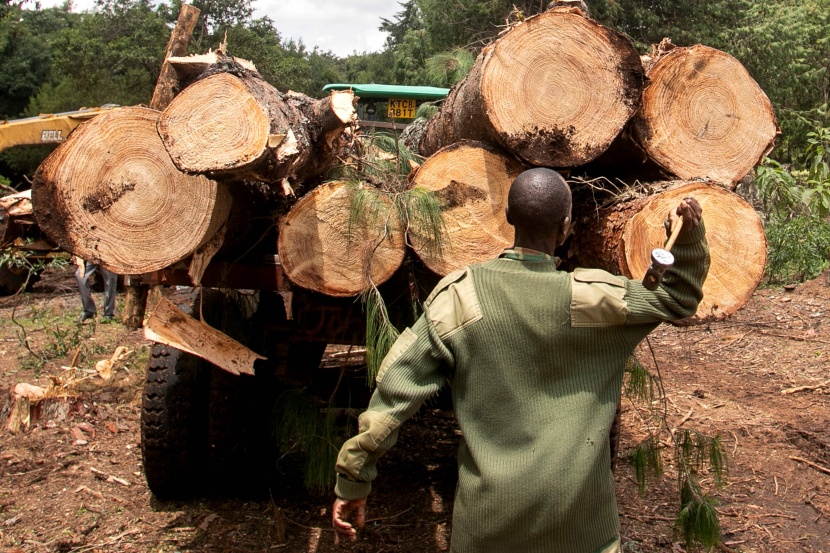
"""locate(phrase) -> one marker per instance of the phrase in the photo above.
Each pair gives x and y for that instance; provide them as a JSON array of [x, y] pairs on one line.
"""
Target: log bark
[[189, 68], [555, 90], [111, 195], [232, 124], [327, 247], [619, 238], [471, 181], [703, 116], [167, 84]]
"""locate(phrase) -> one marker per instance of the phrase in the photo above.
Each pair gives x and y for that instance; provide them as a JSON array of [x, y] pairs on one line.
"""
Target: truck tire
[[173, 422], [238, 411], [174, 415]]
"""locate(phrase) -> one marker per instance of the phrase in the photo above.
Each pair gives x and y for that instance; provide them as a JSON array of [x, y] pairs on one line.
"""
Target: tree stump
[[471, 181], [703, 116], [619, 238], [329, 245], [555, 90], [111, 195]]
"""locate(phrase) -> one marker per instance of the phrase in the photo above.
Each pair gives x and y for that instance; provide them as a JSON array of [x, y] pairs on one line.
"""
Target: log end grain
[[703, 116], [559, 87], [215, 125], [471, 181], [111, 195], [326, 247], [737, 244]]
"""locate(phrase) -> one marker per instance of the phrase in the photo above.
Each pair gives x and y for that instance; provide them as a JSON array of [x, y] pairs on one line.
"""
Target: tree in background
[[25, 48]]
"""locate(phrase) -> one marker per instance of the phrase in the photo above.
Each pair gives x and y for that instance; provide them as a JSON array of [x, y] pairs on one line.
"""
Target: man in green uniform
[[535, 357]]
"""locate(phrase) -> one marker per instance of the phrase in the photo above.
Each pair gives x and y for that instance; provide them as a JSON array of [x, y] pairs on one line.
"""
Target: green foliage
[[698, 517], [778, 189], [646, 461], [798, 249], [816, 189], [380, 332], [471, 22], [640, 385], [797, 203], [25, 47], [426, 110], [694, 453], [697, 452], [447, 68], [301, 425], [380, 196]]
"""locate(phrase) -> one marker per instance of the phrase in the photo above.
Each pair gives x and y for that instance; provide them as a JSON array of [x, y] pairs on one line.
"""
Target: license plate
[[400, 109]]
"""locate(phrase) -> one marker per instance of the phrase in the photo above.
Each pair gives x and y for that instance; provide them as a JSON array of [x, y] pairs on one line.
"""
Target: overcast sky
[[341, 26]]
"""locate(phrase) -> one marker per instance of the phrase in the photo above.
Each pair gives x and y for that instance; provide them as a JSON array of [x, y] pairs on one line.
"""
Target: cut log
[[619, 238], [328, 247], [471, 181], [555, 90], [238, 126], [111, 195], [703, 116], [167, 84], [189, 68]]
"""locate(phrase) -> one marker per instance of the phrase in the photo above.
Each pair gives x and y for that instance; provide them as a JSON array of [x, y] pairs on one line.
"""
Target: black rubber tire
[[174, 413], [174, 422], [237, 418]]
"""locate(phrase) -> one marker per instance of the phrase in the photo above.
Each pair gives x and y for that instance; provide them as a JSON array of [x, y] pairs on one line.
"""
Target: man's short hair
[[539, 200]]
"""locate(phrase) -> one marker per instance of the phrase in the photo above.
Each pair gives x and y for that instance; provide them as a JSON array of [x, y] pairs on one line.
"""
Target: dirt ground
[[77, 485]]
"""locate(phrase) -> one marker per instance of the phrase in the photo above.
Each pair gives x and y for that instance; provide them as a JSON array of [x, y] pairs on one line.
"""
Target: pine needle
[[301, 426], [380, 333], [447, 68], [640, 381], [646, 461], [698, 518]]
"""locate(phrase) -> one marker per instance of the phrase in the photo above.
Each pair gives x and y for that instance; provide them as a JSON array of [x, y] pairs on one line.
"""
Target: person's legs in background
[[110, 287], [82, 275]]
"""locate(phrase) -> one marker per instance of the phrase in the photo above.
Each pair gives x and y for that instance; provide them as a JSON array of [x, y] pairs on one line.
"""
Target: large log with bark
[[620, 236], [232, 124], [471, 181], [111, 195], [338, 239], [703, 115], [555, 90]]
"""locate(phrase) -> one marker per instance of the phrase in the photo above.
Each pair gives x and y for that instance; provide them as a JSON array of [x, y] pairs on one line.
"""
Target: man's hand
[[340, 512], [690, 210]]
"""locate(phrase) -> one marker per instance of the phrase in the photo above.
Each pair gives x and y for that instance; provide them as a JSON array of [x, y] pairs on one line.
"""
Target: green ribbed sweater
[[535, 358]]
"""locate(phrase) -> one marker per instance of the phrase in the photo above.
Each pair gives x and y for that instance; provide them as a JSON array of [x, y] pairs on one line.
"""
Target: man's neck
[[534, 243]]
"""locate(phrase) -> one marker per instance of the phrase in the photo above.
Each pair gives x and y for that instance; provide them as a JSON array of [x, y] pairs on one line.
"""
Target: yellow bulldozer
[[22, 246]]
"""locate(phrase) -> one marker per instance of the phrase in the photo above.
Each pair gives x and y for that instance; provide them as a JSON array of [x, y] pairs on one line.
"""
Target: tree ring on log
[[325, 247], [111, 195], [703, 116], [471, 181], [217, 125], [559, 87], [737, 244]]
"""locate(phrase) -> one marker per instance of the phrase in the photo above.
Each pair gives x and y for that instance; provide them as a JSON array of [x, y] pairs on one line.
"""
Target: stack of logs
[[137, 189]]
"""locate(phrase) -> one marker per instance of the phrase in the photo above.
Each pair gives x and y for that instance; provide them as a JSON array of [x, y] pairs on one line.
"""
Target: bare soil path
[[76, 485]]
